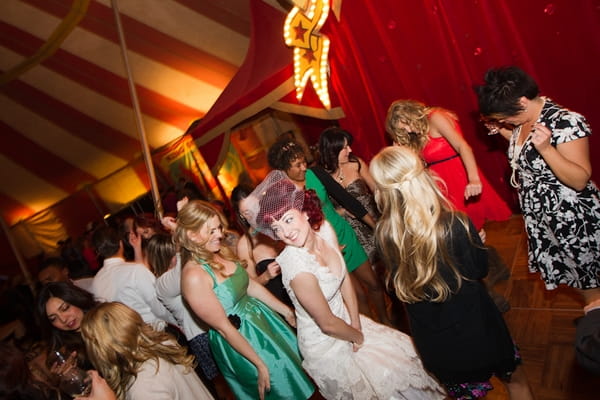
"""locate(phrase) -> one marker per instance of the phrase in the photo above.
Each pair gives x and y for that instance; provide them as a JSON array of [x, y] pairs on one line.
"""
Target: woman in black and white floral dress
[[549, 156]]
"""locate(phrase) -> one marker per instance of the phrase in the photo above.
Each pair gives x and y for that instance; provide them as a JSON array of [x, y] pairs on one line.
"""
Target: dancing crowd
[[339, 279]]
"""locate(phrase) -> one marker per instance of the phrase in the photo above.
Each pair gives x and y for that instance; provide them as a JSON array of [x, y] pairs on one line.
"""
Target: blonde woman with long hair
[[255, 349], [435, 260], [136, 361]]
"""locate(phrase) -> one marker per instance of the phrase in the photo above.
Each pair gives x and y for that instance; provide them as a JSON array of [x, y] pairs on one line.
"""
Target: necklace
[[340, 175], [516, 152], [517, 149]]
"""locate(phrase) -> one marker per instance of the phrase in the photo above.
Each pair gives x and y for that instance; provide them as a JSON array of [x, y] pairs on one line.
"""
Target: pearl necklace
[[517, 149]]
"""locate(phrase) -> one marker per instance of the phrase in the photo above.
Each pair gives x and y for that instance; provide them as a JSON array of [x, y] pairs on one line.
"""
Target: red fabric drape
[[437, 50]]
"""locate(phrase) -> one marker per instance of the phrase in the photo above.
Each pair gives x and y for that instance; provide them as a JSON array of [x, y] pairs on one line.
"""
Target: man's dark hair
[[106, 241]]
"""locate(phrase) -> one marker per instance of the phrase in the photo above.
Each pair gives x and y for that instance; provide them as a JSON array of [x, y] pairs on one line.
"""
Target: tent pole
[[138, 114], [18, 255]]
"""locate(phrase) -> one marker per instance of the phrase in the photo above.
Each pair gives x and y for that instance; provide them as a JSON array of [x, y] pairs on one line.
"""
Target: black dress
[[275, 285], [465, 338]]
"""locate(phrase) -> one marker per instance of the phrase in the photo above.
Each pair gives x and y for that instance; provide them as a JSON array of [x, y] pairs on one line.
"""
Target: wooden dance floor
[[541, 323]]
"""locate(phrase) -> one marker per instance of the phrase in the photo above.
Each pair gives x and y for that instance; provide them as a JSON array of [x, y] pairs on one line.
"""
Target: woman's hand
[[273, 269], [135, 240], [473, 188], [264, 381], [540, 137], [290, 317], [357, 344], [61, 366], [100, 389], [182, 203], [169, 223]]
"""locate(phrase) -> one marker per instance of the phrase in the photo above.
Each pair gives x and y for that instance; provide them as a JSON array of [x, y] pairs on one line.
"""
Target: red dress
[[445, 162]]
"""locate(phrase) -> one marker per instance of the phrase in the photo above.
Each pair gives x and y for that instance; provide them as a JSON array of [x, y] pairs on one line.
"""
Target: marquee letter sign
[[301, 31]]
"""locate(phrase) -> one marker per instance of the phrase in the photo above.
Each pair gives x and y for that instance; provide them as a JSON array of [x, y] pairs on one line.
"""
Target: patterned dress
[[360, 191], [563, 224]]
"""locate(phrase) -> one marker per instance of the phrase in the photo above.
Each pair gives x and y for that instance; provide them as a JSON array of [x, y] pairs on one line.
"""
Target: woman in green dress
[[255, 349]]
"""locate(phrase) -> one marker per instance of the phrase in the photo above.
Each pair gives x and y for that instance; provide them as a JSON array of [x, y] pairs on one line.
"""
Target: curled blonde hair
[[414, 226], [414, 114], [192, 218], [118, 342]]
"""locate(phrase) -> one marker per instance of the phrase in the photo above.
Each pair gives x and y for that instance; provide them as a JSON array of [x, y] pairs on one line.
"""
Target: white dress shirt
[[133, 285]]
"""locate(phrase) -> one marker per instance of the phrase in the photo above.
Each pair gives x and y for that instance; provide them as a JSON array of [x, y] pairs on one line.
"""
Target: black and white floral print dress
[[563, 224]]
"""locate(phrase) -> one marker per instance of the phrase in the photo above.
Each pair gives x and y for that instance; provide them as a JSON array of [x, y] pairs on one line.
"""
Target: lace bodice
[[294, 260]]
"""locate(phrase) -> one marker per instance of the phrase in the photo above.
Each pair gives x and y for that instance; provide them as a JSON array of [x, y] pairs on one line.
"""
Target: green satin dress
[[270, 336], [354, 254]]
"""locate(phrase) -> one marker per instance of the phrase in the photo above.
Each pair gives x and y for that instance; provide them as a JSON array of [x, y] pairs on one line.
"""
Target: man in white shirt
[[129, 283]]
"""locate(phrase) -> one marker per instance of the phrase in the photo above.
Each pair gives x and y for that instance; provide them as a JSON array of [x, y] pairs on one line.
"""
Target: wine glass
[[72, 380], [75, 382]]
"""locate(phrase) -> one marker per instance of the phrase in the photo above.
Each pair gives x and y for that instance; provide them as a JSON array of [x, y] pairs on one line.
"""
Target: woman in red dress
[[435, 134]]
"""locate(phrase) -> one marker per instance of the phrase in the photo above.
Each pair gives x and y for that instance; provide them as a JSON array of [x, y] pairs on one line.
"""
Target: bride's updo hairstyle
[[277, 195]]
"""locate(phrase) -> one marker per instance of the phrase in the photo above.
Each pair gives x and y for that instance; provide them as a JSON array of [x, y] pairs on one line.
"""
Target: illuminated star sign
[[310, 50]]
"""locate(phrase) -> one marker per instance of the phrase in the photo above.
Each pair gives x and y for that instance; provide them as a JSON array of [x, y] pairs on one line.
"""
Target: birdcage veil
[[276, 195]]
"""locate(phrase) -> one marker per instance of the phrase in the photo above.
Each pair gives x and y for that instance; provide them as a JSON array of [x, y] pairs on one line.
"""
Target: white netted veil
[[276, 194]]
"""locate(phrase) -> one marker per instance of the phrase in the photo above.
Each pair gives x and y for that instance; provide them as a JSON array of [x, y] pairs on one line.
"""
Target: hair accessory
[[275, 195]]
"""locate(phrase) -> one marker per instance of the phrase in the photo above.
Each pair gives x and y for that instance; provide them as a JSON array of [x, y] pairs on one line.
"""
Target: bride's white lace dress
[[385, 367]]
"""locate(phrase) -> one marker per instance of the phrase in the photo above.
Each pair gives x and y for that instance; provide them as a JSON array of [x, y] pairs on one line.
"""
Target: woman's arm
[[342, 196], [569, 161], [244, 253], [444, 125], [196, 285], [349, 296], [135, 241], [258, 291], [309, 294], [168, 285]]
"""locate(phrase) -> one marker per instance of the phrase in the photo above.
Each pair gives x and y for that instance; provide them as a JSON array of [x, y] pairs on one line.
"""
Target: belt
[[429, 164]]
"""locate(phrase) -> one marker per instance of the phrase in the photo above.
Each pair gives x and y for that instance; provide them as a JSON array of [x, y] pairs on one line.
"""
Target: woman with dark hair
[[60, 308], [289, 157], [352, 173], [549, 154], [258, 250]]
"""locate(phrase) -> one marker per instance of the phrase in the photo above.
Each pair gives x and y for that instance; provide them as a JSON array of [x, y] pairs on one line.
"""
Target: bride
[[348, 355]]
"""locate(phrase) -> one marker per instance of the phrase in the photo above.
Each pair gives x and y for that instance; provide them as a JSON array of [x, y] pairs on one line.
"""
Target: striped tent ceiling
[[66, 118]]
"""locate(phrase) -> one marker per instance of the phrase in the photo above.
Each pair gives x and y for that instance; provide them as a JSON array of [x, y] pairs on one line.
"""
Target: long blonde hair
[[118, 342], [191, 218], [414, 227]]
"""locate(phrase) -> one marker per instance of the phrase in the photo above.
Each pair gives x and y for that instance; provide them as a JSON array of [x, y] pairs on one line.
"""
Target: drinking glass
[[75, 382], [72, 380]]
